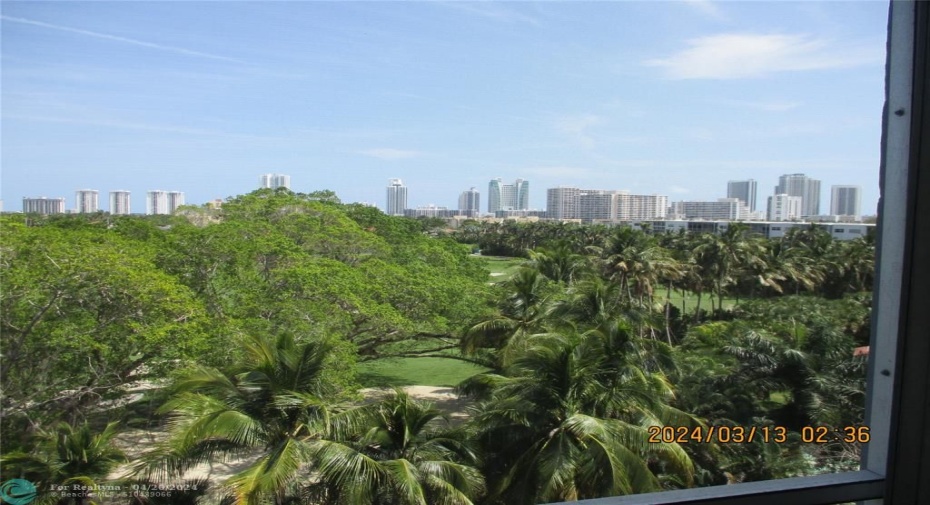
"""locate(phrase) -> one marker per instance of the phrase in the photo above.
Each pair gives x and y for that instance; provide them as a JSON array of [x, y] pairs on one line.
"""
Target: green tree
[[391, 452], [272, 405]]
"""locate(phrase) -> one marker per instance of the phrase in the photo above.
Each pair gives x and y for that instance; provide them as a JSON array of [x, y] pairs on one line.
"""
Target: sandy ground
[[135, 442]]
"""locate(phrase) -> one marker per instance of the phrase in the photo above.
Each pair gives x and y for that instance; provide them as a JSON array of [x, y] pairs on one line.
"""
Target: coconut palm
[[393, 452], [558, 262], [270, 406], [563, 422], [523, 311], [69, 456]]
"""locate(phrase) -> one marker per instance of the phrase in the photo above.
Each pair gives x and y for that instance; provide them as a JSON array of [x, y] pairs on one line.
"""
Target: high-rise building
[[745, 191], [803, 186], [508, 196], [522, 196], [846, 201], [156, 202], [562, 202], [86, 201], [119, 202], [275, 181], [43, 205], [470, 203], [784, 207], [163, 202], [396, 198], [597, 204], [589, 204], [175, 200], [641, 207], [724, 209]]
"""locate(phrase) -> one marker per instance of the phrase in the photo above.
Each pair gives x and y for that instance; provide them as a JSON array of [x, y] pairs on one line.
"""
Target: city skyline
[[652, 97]]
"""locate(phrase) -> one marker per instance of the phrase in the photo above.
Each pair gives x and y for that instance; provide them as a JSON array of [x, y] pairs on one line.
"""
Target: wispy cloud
[[708, 8], [391, 154], [567, 172], [492, 11], [739, 56], [765, 105], [115, 38], [577, 128], [678, 190]]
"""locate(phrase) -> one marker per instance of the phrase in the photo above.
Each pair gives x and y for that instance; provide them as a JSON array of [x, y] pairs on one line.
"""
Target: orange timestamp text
[[749, 434]]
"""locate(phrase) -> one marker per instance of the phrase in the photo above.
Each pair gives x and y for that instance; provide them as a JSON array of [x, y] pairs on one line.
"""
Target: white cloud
[[708, 8], [577, 128], [678, 190], [391, 154], [738, 56], [559, 171], [116, 38]]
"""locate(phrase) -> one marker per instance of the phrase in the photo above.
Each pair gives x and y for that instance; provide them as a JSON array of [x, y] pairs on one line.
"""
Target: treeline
[[736, 262], [249, 324]]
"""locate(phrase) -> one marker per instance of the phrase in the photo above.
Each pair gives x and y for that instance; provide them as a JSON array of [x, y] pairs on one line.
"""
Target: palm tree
[[271, 405], [67, 457], [558, 262], [523, 311], [565, 423], [391, 452]]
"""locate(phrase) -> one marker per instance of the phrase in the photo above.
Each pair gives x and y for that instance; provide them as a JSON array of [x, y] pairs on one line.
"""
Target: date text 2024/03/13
[[748, 434]]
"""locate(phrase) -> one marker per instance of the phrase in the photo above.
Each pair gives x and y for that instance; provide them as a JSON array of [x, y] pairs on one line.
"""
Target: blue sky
[[674, 98]]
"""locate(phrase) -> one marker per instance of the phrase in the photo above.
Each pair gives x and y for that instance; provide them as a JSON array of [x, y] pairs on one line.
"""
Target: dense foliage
[[238, 330]]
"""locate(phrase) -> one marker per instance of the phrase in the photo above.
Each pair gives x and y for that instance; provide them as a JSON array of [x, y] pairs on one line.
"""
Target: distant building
[[600, 205], [725, 209], [745, 191], [431, 211], [562, 202], [514, 196], [396, 198], [632, 207], [470, 203], [275, 181], [86, 201], [804, 187], [784, 207], [43, 205], [846, 201], [119, 202], [163, 202]]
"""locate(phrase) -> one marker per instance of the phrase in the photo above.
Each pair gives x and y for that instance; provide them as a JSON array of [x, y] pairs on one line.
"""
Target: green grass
[[689, 300], [502, 268], [415, 372]]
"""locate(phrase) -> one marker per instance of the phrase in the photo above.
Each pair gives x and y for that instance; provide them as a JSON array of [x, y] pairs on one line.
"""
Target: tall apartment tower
[[745, 191], [396, 198], [508, 196], [470, 203], [803, 186], [846, 201], [175, 200], [784, 207], [119, 202], [275, 181], [562, 202], [86, 201], [43, 205]]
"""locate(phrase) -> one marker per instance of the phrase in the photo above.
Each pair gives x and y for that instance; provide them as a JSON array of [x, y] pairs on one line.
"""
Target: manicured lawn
[[415, 372], [689, 301], [502, 267]]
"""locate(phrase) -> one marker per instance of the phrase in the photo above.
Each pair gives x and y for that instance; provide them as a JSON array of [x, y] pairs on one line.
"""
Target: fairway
[[415, 372], [501, 267]]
